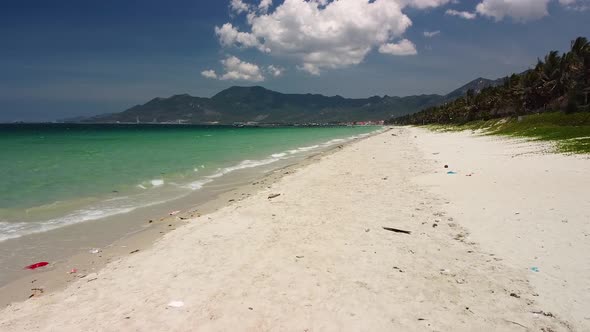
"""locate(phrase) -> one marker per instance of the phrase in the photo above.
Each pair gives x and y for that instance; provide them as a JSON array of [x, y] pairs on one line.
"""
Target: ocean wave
[[13, 230], [157, 182], [242, 165], [196, 185]]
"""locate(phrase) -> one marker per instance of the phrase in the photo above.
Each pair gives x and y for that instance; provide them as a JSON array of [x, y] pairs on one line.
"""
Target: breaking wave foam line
[[13, 230]]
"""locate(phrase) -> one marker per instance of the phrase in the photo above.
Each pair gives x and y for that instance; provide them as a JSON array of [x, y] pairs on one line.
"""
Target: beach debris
[[515, 323], [451, 172], [172, 213], [367, 230], [250, 308], [460, 281], [535, 269], [134, 251], [541, 312], [94, 251], [397, 268], [445, 271], [446, 166], [36, 292], [72, 271], [175, 304], [271, 196], [397, 230], [470, 174], [515, 295], [150, 221], [434, 225], [299, 256], [36, 265]]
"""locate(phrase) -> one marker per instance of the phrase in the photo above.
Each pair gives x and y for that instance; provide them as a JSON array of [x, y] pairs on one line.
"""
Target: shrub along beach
[[558, 85]]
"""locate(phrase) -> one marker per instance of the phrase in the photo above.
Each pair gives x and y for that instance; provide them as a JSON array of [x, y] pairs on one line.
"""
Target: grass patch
[[570, 132]]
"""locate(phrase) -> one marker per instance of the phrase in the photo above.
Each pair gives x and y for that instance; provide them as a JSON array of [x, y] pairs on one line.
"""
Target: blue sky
[[62, 59]]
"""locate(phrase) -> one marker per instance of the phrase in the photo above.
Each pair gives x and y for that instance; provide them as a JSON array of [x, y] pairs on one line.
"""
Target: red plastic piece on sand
[[36, 265]]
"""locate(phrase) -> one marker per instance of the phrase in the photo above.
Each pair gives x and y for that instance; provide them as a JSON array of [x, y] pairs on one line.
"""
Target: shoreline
[[320, 256], [59, 274]]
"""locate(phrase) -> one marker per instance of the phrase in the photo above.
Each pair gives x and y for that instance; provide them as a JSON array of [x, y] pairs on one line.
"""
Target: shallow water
[[52, 176]]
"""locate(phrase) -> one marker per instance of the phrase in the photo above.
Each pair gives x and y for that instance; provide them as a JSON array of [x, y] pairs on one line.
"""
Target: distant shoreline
[[147, 124]]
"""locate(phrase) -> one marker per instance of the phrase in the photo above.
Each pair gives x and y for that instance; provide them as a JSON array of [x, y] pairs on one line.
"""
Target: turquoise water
[[55, 175]]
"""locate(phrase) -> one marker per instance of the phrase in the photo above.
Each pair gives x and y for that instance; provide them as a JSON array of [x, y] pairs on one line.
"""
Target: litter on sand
[[271, 196], [174, 213], [451, 172], [73, 271], [36, 265], [176, 304], [535, 269], [396, 230], [94, 251]]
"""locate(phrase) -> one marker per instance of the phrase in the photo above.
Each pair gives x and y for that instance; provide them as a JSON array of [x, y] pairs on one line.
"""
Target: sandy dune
[[316, 257]]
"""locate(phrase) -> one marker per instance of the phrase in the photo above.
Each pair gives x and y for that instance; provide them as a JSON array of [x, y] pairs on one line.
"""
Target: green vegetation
[[243, 104], [557, 83], [570, 132]]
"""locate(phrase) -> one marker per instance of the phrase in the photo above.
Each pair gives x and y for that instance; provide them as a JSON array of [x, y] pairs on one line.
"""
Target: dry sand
[[316, 257]]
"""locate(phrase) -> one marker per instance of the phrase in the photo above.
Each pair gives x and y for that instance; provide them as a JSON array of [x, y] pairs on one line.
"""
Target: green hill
[[257, 104], [559, 82]]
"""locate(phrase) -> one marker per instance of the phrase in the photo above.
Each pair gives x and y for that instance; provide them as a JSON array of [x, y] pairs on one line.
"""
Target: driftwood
[[271, 196], [396, 230]]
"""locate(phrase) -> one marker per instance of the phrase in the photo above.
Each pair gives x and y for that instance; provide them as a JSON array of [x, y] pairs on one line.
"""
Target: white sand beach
[[316, 258]]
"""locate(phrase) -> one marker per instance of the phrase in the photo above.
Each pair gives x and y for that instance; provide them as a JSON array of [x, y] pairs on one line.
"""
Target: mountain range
[[257, 104]]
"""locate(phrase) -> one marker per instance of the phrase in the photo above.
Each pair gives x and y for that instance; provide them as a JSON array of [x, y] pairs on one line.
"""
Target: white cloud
[[403, 47], [430, 34], [462, 14], [209, 73], [518, 10], [275, 71], [264, 5], [322, 34], [228, 35], [236, 70], [423, 4], [579, 5], [238, 6]]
